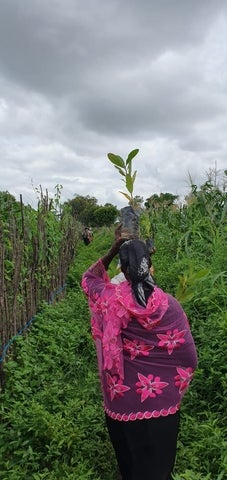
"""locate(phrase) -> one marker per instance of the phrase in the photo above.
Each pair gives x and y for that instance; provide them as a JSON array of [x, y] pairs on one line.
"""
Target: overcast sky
[[81, 78]]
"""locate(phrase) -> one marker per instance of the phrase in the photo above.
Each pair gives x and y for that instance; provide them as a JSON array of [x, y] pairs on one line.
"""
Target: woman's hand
[[106, 259], [118, 232], [118, 238]]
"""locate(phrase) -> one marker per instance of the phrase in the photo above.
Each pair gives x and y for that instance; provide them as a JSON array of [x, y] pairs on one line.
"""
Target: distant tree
[[87, 211], [105, 215], [7, 198], [164, 200], [87, 216], [8, 203], [82, 207]]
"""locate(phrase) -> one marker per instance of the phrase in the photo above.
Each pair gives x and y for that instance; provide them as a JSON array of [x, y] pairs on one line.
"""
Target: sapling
[[124, 167], [129, 217]]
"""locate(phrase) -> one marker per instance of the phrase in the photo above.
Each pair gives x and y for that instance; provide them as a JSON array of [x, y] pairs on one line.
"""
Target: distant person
[[87, 235], [146, 358], [90, 234]]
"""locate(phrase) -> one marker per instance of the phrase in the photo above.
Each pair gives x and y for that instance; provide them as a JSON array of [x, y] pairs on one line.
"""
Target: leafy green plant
[[124, 167], [186, 288], [146, 228], [51, 411], [37, 248]]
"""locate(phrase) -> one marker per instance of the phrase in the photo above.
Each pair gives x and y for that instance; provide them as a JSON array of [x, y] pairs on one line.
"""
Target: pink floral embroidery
[[111, 347], [97, 306], [157, 303], [96, 329], [183, 378], [171, 340], [115, 386], [149, 388], [136, 348], [113, 307], [148, 323]]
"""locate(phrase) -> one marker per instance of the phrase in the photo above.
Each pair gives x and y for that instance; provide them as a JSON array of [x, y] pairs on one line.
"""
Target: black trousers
[[145, 449]]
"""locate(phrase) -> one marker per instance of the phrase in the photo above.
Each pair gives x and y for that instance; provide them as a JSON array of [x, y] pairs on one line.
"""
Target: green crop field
[[52, 423]]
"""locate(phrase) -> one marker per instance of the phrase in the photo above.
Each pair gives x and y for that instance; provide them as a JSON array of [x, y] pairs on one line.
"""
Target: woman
[[87, 235], [146, 358]]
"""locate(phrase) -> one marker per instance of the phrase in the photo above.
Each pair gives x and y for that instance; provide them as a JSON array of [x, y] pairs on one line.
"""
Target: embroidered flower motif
[[171, 340], [115, 387], [143, 267], [112, 308], [149, 388], [97, 305], [96, 329], [112, 347], [157, 303], [112, 356], [183, 378], [148, 323], [136, 348]]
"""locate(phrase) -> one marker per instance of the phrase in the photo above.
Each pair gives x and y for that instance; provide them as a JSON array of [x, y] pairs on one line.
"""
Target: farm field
[[52, 423]]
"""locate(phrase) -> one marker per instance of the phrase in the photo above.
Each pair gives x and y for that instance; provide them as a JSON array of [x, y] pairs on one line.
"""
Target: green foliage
[[106, 215], [191, 263], [124, 167], [164, 200], [86, 255], [145, 225], [36, 250], [88, 212], [52, 424], [82, 208]]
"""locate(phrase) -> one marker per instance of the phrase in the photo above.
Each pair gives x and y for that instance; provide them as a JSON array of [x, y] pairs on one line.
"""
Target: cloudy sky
[[81, 78]]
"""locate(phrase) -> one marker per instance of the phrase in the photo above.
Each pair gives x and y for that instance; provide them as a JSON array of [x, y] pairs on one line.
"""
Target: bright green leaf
[[134, 176], [129, 183], [131, 155], [116, 160], [129, 167]]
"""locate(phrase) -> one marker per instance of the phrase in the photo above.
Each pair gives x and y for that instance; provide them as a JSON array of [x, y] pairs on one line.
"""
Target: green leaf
[[116, 160], [126, 195], [184, 297], [129, 183], [134, 176], [131, 155], [129, 167], [201, 274], [120, 170]]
